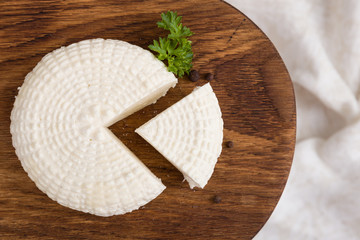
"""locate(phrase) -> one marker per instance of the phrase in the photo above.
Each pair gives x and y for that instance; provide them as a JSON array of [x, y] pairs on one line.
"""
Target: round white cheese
[[59, 120], [189, 134]]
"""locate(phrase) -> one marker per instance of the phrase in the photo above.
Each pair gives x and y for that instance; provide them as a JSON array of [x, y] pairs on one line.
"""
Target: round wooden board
[[255, 95]]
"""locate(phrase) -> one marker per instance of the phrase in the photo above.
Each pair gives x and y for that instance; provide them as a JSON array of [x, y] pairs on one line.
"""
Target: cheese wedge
[[189, 134], [60, 118]]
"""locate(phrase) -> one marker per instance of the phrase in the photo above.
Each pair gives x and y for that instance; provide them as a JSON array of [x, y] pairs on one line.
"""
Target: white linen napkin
[[319, 41]]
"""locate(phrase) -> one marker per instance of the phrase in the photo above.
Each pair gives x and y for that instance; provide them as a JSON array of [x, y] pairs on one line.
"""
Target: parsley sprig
[[175, 48]]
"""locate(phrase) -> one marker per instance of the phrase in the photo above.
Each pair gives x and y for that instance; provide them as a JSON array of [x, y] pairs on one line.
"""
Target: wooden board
[[255, 95]]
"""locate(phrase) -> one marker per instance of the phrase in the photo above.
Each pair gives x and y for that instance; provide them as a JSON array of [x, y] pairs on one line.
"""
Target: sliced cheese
[[189, 134], [59, 120]]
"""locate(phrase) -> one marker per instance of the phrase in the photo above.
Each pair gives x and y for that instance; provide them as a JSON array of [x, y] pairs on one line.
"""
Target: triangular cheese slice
[[60, 118], [189, 134]]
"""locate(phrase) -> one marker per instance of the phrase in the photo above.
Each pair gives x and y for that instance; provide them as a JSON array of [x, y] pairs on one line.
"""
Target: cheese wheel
[[189, 134], [60, 117]]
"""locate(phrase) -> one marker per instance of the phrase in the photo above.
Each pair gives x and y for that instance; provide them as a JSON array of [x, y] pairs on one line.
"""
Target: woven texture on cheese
[[189, 134], [58, 120]]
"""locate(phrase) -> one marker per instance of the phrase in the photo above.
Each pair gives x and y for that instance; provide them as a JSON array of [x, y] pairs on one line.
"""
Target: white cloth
[[319, 41]]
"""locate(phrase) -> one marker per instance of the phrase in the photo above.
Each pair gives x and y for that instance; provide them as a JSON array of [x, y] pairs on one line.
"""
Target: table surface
[[254, 91]]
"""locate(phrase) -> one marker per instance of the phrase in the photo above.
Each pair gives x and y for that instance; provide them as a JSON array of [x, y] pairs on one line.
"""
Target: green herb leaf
[[175, 48]]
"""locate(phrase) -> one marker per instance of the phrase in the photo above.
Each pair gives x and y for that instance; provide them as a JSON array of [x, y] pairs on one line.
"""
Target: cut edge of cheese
[[123, 146], [148, 100], [160, 187], [192, 183], [189, 134]]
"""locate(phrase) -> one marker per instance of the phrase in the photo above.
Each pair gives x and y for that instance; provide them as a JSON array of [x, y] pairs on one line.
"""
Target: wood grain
[[255, 95]]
